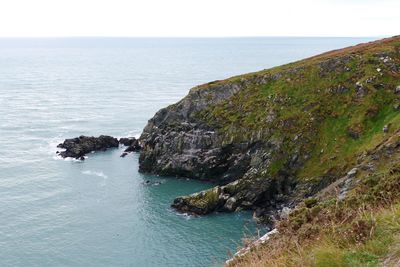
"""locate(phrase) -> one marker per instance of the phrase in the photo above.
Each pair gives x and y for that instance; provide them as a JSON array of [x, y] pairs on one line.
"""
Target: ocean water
[[100, 212]]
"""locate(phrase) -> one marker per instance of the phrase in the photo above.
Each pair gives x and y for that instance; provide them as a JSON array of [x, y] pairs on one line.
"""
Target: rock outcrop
[[176, 143], [80, 146]]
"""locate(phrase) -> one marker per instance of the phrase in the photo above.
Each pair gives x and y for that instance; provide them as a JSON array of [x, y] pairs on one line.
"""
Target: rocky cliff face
[[271, 138], [175, 142]]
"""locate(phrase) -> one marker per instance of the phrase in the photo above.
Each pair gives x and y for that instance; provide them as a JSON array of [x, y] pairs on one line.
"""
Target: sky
[[199, 18]]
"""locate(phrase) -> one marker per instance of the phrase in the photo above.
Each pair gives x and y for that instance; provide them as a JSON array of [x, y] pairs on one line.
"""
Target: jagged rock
[[123, 155], [175, 143], [284, 213], [133, 147], [340, 89], [82, 145], [132, 144], [245, 193], [352, 172], [336, 63], [370, 167], [127, 141], [360, 89], [230, 204], [345, 188]]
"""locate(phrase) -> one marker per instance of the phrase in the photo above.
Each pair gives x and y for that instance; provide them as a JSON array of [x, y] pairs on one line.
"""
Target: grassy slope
[[302, 98], [331, 110]]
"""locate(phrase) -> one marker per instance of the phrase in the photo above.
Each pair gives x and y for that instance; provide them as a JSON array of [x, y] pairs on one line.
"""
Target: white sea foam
[[58, 157], [95, 173], [186, 216], [51, 148]]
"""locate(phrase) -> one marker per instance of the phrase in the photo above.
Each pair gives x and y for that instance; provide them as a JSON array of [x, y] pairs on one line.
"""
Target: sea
[[102, 211]]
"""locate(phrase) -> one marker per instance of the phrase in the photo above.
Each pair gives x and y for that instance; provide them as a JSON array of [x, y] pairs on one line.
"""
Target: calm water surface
[[99, 212]]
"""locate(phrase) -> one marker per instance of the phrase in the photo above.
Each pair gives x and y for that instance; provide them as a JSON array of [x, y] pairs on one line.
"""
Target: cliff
[[272, 138]]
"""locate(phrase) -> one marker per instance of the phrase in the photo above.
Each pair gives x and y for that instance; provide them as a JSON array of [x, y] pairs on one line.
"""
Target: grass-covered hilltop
[[312, 146]]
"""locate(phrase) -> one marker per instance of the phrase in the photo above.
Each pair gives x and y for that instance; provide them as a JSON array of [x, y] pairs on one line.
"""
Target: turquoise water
[[99, 212]]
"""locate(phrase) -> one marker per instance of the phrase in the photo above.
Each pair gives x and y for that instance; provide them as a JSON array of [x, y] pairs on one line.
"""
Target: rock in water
[[127, 141], [131, 142], [80, 146]]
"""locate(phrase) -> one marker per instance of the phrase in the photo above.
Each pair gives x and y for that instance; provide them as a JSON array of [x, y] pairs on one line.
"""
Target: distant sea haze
[[101, 212]]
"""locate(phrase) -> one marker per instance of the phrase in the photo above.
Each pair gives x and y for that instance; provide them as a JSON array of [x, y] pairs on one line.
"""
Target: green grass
[[368, 254]]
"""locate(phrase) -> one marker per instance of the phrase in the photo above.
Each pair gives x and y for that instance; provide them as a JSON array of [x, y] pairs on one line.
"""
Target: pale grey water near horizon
[[99, 212]]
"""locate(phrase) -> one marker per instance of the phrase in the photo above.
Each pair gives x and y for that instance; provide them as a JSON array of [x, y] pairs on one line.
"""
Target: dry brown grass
[[362, 230]]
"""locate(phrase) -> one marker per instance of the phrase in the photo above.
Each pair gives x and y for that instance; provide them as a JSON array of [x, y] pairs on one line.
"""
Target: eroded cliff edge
[[269, 139]]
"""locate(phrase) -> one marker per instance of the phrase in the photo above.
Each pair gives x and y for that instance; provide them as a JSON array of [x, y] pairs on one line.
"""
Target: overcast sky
[[199, 18]]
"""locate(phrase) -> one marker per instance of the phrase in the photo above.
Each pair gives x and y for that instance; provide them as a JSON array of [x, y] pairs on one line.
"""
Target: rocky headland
[[270, 139], [313, 147]]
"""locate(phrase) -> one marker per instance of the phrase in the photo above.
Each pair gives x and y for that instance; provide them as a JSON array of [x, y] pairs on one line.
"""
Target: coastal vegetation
[[358, 227], [312, 147]]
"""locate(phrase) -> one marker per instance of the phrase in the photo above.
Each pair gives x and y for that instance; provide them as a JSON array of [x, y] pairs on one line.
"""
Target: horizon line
[[191, 37]]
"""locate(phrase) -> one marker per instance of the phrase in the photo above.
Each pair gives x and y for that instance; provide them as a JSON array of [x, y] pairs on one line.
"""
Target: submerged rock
[[150, 183], [80, 146]]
